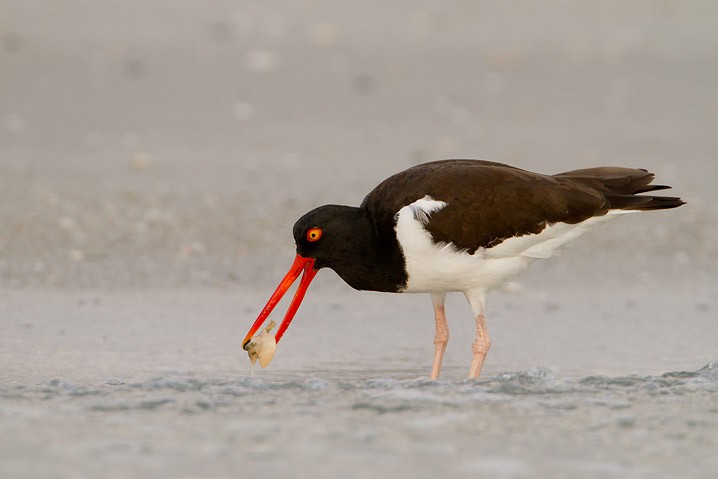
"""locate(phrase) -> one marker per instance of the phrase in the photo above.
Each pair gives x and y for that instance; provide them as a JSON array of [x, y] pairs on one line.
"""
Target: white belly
[[441, 267]]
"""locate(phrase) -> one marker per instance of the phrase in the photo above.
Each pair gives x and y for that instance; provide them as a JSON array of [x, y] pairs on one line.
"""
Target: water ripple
[[535, 386]]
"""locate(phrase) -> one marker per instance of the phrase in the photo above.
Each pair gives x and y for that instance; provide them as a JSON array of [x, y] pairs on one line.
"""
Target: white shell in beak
[[262, 346]]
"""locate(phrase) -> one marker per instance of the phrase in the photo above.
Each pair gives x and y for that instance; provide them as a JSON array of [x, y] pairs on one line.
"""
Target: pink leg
[[482, 343], [441, 337], [480, 347]]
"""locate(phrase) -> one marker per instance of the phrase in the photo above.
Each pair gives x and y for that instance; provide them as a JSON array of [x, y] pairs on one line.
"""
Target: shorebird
[[454, 226]]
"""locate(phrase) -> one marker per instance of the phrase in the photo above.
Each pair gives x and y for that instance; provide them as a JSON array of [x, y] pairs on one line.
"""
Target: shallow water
[[154, 383], [515, 424]]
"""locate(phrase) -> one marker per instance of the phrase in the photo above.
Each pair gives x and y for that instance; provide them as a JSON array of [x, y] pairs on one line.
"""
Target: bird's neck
[[372, 259]]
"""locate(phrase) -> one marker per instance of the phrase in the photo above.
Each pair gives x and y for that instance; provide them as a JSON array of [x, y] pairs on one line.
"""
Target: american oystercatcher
[[455, 225]]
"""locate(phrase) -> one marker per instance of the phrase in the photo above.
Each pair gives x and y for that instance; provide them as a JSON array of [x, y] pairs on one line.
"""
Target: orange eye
[[313, 234]]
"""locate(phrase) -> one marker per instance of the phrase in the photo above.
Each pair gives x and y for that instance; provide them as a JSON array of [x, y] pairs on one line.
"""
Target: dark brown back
[[489, 202]]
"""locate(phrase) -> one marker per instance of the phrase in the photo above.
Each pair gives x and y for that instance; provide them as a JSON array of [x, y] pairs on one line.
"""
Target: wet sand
[[140, 384]]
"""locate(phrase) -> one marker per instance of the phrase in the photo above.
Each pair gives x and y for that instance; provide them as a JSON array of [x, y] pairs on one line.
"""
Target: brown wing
[[488, 202]]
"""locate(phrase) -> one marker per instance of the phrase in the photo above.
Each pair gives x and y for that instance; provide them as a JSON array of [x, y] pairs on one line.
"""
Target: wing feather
[[488, 202]]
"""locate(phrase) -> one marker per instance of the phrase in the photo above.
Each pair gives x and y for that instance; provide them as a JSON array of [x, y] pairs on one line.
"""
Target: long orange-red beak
[[300, 264]]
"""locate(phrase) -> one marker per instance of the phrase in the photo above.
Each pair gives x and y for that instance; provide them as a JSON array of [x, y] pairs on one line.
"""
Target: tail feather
[[658, 203], [653, 188], [620, 186]]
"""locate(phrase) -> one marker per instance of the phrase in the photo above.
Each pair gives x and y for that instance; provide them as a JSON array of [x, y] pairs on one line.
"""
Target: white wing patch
[[423, 208], [441, 267]]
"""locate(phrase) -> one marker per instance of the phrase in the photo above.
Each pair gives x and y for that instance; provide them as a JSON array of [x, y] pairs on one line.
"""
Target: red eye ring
[[313, 234]]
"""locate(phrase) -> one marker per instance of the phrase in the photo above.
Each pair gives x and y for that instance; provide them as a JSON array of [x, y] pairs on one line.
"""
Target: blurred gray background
[[154, 156], [164, 144]]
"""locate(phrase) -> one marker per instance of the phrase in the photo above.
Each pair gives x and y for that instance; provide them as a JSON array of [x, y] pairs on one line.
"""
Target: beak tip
[[301, 264]]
